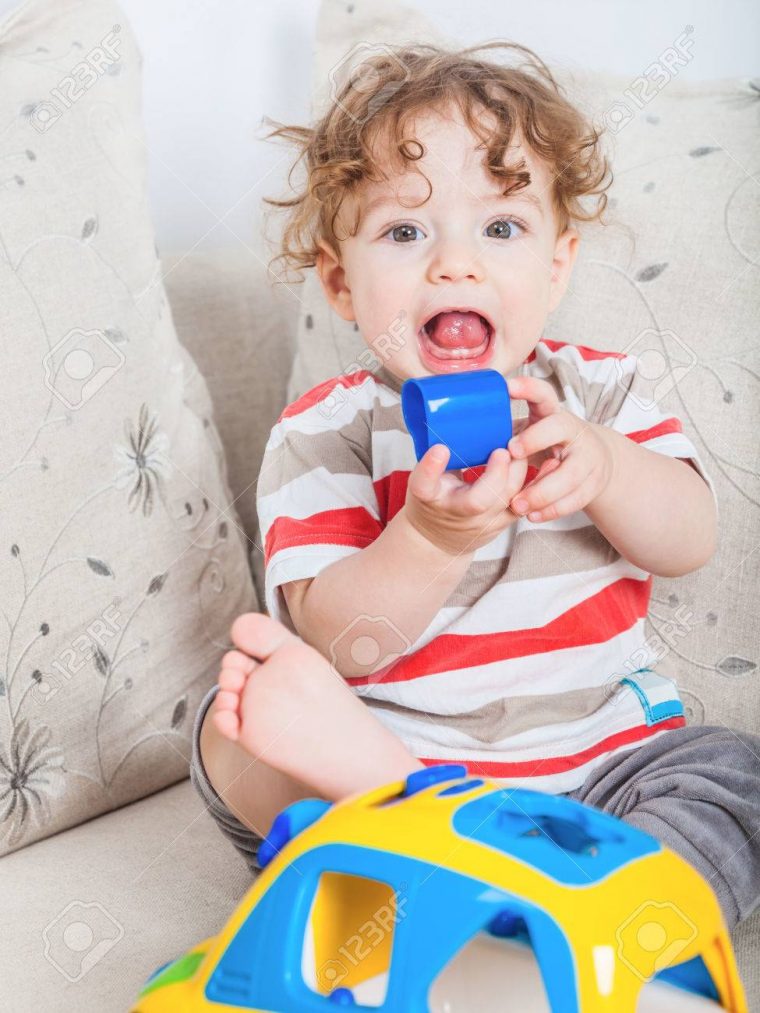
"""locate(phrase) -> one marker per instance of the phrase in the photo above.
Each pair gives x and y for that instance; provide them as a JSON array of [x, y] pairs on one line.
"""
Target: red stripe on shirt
[[585, 352], [671, 425], [321, 391], [558, 764], [348, 526], [594, 621], [391, 494]]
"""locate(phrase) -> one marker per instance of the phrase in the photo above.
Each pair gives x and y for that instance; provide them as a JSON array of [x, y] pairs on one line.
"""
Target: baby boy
[[494, 617]]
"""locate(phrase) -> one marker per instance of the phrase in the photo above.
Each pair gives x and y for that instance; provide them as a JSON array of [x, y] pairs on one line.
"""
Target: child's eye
[[502, 228], [405, 233]]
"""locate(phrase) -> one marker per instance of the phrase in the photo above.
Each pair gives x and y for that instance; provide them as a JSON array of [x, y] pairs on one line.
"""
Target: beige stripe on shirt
[[510, 715], [537, 552], [302, 452]]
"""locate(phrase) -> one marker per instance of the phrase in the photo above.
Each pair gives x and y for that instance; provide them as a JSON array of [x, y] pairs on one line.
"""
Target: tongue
[[457, 330]]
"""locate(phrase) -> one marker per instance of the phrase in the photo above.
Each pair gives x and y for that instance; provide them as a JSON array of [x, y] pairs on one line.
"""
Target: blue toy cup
[[469, 412]]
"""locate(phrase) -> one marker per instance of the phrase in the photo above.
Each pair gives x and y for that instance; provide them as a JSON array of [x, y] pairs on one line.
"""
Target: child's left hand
[[585, 458]]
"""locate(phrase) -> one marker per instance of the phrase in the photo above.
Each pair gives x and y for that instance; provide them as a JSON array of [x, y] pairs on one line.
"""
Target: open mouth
[[456, 337]]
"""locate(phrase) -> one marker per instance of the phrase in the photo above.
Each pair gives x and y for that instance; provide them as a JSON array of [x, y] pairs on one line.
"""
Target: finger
[[547, 467], [567, 476], [576, 500], [517, 482], [540, 395], [562, 427], [425, 479], [491, 488]]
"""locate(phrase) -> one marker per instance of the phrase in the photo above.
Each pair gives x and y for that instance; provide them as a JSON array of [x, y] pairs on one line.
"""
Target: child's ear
[[333, 278], [565, 252]]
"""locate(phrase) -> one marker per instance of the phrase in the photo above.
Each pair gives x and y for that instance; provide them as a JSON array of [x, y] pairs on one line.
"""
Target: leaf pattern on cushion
[[31, 775], [144, 461], [651, 272], [736, 666]]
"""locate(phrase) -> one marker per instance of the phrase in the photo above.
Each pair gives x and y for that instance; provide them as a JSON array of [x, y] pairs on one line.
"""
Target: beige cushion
[[121, 563], [147, 881], [240, 330]]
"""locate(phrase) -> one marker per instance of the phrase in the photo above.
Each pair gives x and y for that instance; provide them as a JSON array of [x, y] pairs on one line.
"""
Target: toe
[[232, 679], [227, 701], [236, 659], [259, 635], [227, 723]]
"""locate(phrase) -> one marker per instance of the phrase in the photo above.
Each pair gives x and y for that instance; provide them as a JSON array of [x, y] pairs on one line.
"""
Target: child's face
[[466, 249]]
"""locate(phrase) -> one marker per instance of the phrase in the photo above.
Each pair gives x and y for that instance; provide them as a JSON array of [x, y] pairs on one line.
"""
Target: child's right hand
[[458, 516]]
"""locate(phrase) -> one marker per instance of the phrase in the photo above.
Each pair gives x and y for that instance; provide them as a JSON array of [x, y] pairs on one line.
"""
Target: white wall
[[214, 68]]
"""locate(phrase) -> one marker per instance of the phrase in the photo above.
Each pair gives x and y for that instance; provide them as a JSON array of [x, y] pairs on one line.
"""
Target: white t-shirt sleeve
[[316, 499], [618, 395]]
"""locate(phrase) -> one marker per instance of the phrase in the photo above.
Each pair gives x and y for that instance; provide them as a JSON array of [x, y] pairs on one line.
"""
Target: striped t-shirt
[[537, 666]]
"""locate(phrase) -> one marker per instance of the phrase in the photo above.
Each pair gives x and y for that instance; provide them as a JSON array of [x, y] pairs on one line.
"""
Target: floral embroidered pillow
[[122, 564]]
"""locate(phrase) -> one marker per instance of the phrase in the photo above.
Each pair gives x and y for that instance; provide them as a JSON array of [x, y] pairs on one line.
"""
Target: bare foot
[[260, 638], [282, 702]]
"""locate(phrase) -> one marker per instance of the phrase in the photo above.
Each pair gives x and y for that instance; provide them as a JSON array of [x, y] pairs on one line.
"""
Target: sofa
[[100, 888], [159, 865]]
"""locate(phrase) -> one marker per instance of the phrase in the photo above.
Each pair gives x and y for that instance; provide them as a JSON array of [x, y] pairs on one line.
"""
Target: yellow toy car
[[449, 892]]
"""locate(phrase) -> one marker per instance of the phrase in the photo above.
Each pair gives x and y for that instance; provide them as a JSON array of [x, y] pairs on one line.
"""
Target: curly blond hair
[[387, 90]]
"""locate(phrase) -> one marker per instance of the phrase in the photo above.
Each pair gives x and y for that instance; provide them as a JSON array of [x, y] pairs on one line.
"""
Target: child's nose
[[454, 260]]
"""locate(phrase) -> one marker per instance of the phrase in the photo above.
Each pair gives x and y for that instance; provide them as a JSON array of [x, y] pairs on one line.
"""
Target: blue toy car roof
[[444, 909]]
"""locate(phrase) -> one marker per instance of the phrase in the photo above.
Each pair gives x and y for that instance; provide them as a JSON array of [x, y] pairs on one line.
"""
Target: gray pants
[[695, 789]]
